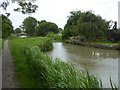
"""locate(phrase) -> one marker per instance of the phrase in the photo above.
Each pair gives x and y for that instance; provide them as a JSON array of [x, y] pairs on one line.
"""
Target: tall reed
[[50, 73]]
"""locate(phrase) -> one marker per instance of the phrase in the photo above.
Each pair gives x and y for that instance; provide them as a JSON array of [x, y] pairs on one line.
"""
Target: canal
[[101, 62]]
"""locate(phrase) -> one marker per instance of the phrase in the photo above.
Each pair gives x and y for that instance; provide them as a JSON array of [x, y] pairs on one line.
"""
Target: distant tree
[[44, 28], [29, 25], [7, 27], [18, 30]]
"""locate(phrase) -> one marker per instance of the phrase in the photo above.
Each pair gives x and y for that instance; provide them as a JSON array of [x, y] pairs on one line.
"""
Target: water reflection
[[103, 63]]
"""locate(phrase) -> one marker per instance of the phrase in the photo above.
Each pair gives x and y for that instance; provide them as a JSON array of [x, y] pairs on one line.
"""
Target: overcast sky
[[57, 10]]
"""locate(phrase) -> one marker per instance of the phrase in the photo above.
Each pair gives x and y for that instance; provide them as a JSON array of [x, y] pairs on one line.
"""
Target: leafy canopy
[[44, 28], [85, 24], [7, 27], [29, 24]]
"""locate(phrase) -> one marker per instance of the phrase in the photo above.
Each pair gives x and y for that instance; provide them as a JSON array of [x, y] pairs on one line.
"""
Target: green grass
[[107, 43], [18, 47]]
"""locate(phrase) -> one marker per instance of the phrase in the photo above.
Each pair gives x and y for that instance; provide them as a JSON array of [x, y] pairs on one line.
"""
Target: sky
[[57, 11]]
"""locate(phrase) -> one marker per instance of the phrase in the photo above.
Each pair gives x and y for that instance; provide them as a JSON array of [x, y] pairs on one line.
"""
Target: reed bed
[[51, 73]]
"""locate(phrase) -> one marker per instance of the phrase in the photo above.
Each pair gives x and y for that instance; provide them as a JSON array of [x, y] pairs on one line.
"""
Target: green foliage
[[29, 25], [85, 24], [26, 8], [12, 36], [46, 27], [7, 27], [54, 37], [18, 30]]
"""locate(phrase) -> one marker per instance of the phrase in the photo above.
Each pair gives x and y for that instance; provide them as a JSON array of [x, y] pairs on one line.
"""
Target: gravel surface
[[8, 80]]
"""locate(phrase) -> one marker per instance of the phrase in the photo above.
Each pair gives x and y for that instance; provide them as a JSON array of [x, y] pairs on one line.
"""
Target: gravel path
[[8, 80]]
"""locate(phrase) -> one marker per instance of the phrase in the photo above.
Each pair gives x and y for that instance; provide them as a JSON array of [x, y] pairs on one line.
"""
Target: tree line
[[30, 26], [79, 24], [90, 26]]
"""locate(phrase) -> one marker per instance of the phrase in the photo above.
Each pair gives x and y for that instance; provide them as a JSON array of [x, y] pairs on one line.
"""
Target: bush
[[12, 36], [54, 37]]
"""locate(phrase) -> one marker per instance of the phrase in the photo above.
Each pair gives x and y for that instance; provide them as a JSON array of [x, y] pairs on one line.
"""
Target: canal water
[[101, 62]]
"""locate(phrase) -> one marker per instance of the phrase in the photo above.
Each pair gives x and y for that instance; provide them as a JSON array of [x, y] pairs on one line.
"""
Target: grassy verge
[[18, 47], [106, 43]]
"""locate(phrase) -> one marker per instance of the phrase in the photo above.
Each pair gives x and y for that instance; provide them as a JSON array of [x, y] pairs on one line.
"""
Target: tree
[[29, 25], [18, 30], [46, 27], [71, 22], [85, 24], [7, 27]]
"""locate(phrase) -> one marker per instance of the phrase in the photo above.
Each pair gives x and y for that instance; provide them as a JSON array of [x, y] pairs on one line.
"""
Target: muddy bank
[[95, 45]]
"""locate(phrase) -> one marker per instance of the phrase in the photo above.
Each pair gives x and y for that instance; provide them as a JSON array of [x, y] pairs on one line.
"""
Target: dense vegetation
[[32, 27], [18, 48], [29, 24], [54, 37], [34, 69], [88, 26], [44, 28], [17, 31], [7, 27]]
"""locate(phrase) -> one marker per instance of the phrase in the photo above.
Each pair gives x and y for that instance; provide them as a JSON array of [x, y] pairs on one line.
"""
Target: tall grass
[[50, 73], [18, 47]]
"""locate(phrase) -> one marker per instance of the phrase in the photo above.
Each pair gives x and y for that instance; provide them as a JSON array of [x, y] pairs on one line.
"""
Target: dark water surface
[[101, 62]]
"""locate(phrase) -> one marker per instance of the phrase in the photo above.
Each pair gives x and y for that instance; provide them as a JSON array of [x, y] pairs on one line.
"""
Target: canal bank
[[114, 46]]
